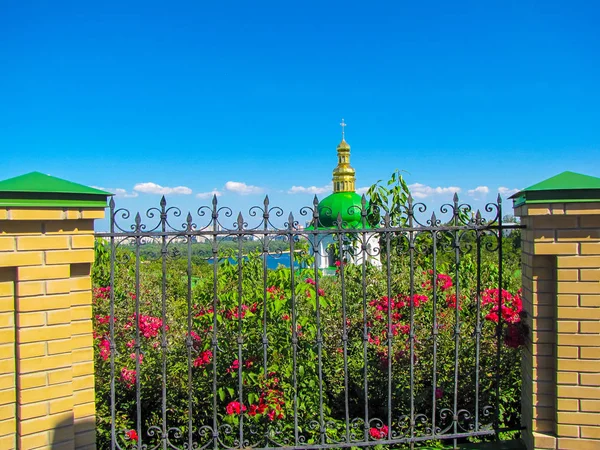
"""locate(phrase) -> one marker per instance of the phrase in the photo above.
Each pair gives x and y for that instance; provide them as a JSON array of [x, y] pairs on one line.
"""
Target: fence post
[[46, 346], [561, 293]]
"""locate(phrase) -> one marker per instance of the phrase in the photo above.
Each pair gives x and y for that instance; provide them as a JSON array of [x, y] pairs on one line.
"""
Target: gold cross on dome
[[343, 124]]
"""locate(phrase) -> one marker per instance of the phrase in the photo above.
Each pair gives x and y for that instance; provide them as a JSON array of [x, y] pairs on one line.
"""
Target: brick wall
[[46, 356], [561, 292]]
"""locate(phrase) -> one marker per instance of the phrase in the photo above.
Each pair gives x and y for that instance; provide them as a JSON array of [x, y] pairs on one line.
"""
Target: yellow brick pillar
[[561, 293], [46, 346]]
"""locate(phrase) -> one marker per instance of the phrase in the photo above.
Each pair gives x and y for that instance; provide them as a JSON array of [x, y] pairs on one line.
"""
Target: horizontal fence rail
[[387, 329]]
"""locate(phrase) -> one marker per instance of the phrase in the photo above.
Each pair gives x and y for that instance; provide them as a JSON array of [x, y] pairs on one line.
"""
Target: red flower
[[132, 434], [444, 282], [511, 305], [235, 365], [451, 302], [253, 410], [404, 329], [379, 433], [375, 341], [235, 408], [204, 359], [195, 336], [439, 393], [234, 313], [515, 335]]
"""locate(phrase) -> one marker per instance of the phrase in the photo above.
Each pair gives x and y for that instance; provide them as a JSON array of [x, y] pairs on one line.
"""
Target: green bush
[[259, 382]]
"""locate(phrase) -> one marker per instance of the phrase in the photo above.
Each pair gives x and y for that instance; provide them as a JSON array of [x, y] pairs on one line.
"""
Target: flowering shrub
[[276, 350]]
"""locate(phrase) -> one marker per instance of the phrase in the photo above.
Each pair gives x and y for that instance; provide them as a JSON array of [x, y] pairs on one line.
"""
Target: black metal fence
[[399, 330]]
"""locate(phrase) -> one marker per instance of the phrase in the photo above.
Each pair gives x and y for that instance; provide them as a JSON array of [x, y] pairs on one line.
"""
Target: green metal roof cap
[[566, 187], [36, 189], [39, 182], [347, 204]]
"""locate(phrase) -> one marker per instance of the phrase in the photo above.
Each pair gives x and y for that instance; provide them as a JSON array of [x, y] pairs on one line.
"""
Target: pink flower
[[128, 377], [444, 282], [150, 326], [102, 293], [104, 349], [103, 319], [132, 356]]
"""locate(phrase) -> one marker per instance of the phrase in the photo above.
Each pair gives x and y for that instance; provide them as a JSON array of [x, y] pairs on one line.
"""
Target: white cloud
[[419, 190], [209, 194], [310, 189], [479, 191], [119, 192], [242, 188], [362, 190], [153, 188], [507, 192]]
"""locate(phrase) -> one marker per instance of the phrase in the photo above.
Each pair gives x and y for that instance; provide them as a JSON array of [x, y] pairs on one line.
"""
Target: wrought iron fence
[[401, 329]]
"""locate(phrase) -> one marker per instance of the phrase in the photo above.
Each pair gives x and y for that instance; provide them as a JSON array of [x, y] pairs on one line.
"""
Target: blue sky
[[245, 98]]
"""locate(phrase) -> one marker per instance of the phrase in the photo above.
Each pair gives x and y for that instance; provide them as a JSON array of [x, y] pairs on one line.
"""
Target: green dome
[[348, 204]]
